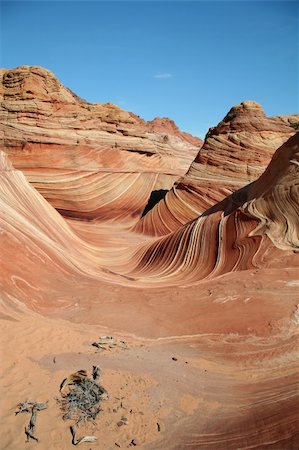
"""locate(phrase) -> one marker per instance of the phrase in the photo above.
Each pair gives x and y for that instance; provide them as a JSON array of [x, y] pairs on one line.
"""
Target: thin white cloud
[[163, 75], [121, 101]]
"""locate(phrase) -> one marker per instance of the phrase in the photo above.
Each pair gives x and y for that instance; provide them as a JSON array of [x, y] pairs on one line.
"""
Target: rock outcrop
[[166, 126], [243, 231], [248, 229], [209, 311], [234, 153], [244, 322], [90, 161]]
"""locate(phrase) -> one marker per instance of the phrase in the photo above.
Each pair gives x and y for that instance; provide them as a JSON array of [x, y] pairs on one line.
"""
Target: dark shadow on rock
[[231, 203], [155, 197]]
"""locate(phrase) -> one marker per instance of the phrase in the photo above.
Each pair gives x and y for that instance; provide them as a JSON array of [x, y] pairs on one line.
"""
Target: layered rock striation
[[90, 161], [246, 230], [255, 227], [234, 153], [233, 336], [210, 310]]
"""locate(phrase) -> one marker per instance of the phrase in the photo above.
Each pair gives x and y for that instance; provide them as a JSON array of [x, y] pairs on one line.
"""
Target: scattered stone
[[109, 343], [134, 442], [158, 427], [174, 358], [120, 423]]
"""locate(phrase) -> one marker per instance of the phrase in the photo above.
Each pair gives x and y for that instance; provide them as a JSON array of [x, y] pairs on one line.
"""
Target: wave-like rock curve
[[234, 153]]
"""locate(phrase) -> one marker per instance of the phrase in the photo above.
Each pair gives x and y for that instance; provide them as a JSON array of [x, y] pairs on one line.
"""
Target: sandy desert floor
[[215, 372]]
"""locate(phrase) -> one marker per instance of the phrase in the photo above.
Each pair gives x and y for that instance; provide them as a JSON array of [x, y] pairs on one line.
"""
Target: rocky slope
[[234, 153], [92, 161]]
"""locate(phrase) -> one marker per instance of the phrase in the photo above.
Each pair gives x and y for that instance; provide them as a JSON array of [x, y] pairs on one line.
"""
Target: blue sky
[[188, 60]]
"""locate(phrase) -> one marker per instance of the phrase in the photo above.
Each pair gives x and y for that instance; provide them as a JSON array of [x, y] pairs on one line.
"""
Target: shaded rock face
[[62, 143], [234, 153]]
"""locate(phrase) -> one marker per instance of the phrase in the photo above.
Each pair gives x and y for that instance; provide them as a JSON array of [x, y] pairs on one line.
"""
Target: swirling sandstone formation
[[92, 161], [243, 322], [244, 231], [210, 306], [234, 153]]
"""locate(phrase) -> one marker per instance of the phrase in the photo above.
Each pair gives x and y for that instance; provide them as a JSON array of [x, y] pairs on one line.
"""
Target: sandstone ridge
[[234, 153], [56, 139]]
